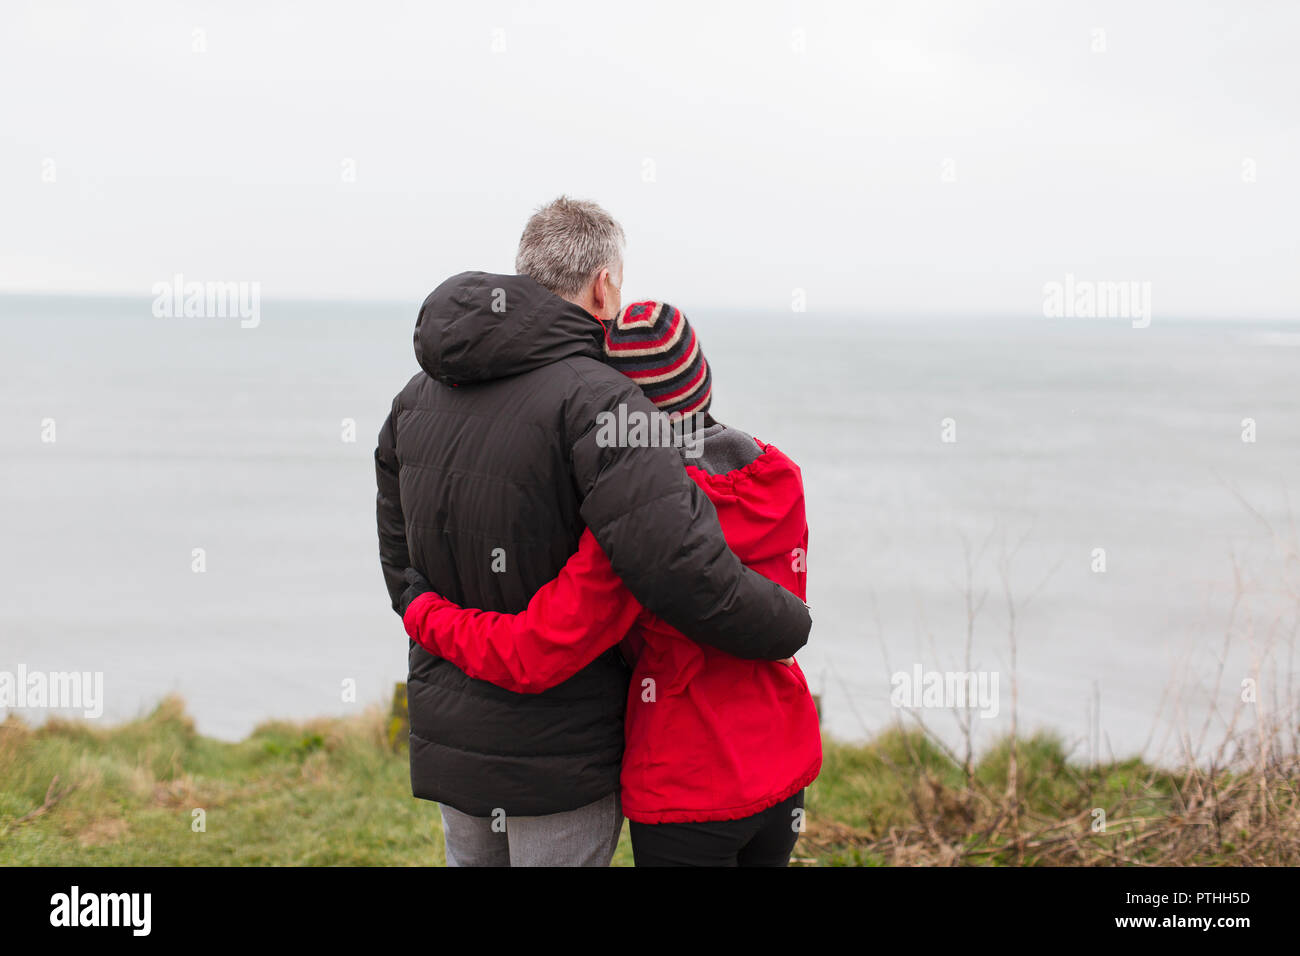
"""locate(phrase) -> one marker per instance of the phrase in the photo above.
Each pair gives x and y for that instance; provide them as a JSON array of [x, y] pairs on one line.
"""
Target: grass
[[333, 792], [320, 793], [902, 800]]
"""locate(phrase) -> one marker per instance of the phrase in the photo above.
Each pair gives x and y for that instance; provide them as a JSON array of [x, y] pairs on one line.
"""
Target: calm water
[[176, 434]]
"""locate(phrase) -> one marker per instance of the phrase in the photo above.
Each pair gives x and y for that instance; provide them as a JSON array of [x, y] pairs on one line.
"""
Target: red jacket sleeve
[[568, 624]]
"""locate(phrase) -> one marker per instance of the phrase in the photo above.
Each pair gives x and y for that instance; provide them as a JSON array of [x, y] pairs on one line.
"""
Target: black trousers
[[765, 839]]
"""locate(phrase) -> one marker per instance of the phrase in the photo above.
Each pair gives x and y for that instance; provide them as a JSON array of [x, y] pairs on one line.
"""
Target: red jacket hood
[[768, 492]]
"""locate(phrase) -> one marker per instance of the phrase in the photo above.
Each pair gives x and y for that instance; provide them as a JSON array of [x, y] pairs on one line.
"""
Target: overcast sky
[[749, 149]]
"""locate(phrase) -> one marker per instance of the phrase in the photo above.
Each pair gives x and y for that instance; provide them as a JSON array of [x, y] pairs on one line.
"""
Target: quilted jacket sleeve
[[662, 536]]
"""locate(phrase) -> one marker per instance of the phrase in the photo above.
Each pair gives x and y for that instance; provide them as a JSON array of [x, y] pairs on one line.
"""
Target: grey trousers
[[583, 837]]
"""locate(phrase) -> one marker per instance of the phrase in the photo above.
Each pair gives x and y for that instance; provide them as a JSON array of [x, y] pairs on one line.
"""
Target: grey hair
[[567, 242]]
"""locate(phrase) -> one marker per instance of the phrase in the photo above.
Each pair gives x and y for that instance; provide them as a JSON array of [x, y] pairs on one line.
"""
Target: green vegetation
[[334, 792], [326, 792], [902, 800]]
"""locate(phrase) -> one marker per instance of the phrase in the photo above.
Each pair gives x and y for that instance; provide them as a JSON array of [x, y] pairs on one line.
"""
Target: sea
[[1081, 526]]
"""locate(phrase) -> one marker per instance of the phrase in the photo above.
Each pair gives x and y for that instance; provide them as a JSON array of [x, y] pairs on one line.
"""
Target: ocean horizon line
[[881, 315]]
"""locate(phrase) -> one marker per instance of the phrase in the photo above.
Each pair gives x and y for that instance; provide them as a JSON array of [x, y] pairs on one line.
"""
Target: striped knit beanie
[[653, 344]]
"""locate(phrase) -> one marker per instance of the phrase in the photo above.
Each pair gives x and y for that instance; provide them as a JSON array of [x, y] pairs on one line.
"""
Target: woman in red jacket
[[718, 749]]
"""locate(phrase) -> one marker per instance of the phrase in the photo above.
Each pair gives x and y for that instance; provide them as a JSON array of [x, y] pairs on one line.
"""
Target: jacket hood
[[767, 499], [477, 326]]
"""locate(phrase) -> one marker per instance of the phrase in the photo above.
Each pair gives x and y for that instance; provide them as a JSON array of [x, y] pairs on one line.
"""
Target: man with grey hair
[[575, 249], [489, 466]]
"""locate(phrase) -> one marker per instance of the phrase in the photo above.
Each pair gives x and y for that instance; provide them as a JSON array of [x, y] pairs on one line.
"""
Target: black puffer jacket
[[488, 470]]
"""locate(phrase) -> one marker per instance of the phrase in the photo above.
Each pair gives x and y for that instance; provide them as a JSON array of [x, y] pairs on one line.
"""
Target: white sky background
[[773, 169]]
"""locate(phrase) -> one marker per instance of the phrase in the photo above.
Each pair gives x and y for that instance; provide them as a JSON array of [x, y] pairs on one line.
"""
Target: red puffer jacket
[[708, 736]]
